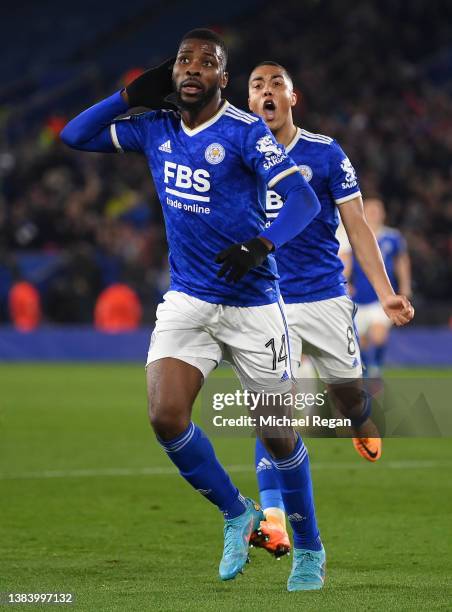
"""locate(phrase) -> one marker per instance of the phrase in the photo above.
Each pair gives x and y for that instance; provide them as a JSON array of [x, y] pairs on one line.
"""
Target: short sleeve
[[130, 133], [265, 156], [343, 181]]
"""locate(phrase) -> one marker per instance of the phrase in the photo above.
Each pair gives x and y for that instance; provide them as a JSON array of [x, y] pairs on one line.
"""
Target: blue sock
[[379, 355], [366, 410], [296, 488], [267, 479], [193, 455]]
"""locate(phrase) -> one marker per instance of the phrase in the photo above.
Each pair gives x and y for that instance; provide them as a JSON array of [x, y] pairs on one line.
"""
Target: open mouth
[[269, 109], [191, 87]]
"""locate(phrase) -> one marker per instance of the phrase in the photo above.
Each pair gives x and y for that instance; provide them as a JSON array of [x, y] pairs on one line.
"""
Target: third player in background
[[371, 321]]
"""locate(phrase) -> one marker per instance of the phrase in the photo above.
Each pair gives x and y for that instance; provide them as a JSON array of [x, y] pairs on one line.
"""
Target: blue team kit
[[212, 183], [308, 265], [204, 210]]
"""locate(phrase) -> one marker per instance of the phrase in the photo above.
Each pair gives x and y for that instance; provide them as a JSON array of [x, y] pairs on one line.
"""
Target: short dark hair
[[270, 63], [206, 34]]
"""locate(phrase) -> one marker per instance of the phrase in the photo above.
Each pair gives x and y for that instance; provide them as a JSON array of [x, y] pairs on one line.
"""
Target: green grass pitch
[[89, 505]]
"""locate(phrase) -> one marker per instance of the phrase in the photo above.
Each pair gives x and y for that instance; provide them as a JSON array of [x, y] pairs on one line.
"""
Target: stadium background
[[89, 507]]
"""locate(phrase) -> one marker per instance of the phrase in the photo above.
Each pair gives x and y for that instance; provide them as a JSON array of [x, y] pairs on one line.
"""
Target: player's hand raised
[[398, 308], [152, 88], [238, 259]]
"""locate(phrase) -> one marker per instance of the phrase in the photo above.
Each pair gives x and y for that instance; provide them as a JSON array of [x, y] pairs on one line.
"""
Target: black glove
[[238, 259], [152, 87]]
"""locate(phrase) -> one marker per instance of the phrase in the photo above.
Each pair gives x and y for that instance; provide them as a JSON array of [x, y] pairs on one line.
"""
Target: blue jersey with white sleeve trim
[[212, 182], [309, 266], [392, 244]]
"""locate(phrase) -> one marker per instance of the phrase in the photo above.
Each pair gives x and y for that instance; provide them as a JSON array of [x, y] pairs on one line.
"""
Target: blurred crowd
[[367, 76], [98, 215]]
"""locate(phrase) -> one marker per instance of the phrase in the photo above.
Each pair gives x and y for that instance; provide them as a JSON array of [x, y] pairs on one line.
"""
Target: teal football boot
[[237, 533], [308, 570]]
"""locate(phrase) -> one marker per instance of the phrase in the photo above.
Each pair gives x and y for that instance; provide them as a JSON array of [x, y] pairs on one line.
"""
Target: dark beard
[[197, 105]]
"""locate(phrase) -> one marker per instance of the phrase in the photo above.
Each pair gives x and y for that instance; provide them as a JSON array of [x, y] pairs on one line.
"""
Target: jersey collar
[[192, 132], [294, 140]]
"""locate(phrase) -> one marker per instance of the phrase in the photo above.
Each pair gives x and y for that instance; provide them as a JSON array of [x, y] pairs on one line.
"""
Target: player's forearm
[[300, 207], [403, 274], [368, 254], [88, 132], [347, 261]]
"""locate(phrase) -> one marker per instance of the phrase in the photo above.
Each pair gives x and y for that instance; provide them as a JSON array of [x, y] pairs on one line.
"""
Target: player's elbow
[[67, 137], [70, 136]]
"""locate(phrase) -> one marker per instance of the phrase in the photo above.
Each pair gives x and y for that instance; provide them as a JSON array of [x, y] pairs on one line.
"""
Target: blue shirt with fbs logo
[[212, 182]]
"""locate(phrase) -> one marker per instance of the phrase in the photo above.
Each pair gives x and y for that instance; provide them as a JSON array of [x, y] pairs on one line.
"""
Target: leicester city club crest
[[215, 153], [306, 171]]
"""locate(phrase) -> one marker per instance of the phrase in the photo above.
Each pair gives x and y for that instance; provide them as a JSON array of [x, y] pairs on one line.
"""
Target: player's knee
[[166, 426], [167, 420], [350, 400], [280, 447]]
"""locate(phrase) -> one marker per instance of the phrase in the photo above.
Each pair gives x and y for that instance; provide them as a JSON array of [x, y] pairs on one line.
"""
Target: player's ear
[[224, 80], [294, 100]]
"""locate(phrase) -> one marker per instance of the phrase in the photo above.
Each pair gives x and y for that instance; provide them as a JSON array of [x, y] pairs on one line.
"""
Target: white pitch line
[[169, 470]]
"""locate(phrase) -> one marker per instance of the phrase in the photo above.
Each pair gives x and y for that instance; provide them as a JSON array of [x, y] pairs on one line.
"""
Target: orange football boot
[[369, 448], [272, 536]]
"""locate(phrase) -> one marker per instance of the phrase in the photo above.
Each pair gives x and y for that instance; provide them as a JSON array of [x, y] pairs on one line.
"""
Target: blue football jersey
[[212, 182], [391, 243], [308, 265]]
